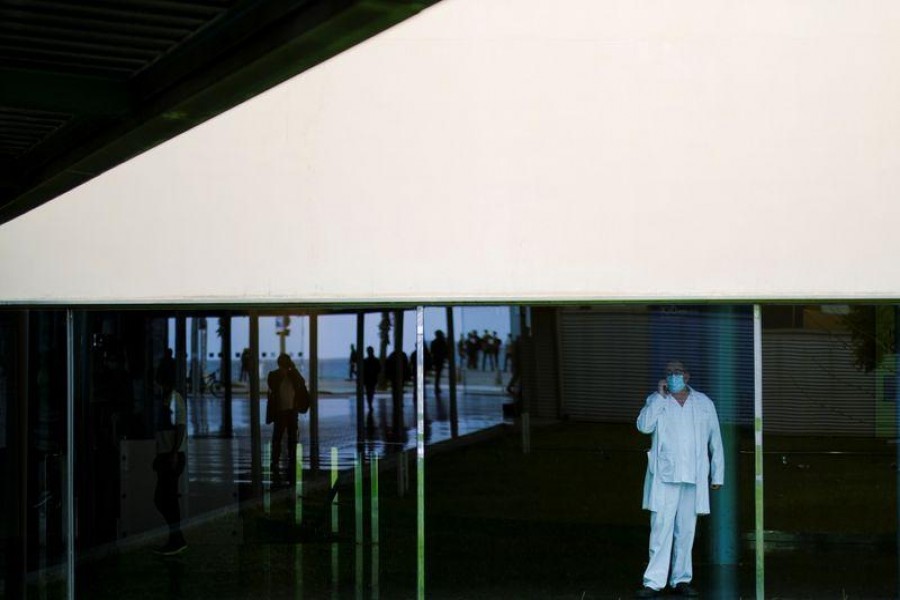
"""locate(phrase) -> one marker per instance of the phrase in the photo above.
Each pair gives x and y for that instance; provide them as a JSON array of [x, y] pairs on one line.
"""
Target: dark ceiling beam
[[294, 43], [63, 93], [127, 27]]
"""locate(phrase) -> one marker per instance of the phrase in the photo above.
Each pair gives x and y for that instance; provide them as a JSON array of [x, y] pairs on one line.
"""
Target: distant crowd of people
[[398, 367], [488, 346]]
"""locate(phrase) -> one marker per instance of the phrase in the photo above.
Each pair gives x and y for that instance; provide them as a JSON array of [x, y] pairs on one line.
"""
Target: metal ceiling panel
[[86, 85]]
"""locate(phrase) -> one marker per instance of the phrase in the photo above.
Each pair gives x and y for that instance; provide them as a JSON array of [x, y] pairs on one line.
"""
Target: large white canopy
[[517, 150]]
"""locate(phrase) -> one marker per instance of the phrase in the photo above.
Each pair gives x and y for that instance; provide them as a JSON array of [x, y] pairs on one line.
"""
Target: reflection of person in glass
[[286, 386], [438, 357], [169, 464], [685, 430], [371, 370]]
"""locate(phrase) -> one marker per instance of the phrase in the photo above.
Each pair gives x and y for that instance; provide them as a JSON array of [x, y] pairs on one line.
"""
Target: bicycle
[[210, 383]]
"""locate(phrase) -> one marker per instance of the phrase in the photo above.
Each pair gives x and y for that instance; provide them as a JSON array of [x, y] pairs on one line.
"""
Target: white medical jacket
[[657, 418]]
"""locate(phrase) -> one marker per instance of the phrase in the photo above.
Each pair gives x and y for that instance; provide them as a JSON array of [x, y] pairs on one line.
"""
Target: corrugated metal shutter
[[545, 399], [611, 360], [811, 386], [605, 364]]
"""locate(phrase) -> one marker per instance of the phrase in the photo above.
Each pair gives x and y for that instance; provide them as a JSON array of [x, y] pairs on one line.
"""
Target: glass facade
[[301, 453]]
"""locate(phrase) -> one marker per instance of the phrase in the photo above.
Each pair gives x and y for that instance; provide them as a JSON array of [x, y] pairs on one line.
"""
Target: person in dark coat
[[286, 388], [371, 370], [438, 357]]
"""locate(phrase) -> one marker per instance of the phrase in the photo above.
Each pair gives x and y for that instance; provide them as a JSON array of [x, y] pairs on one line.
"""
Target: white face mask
[[675, 382]]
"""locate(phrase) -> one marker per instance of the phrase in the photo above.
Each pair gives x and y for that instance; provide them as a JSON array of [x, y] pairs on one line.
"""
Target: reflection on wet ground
[[337, 428], [563, 521], [294, 542]]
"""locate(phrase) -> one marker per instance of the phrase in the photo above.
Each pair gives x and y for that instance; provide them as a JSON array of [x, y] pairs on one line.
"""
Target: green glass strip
[[420, 448], [375, 525], [358, 496], [759, 498], [267, 476], [298, 571], [334, 478], [335, 557], [374, 592], [360, 573], [298, 505]]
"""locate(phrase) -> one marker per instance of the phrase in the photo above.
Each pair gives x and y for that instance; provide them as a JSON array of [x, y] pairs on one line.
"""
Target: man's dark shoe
[[685, 589], [647, 592]]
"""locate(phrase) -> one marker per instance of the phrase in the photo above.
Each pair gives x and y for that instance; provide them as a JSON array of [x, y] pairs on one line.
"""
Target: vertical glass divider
[[374, 491], [298, 486], [70, 455], [267, 476], [358, 496], [360, 581], [758, 451], [420, 448], [334, 480], [335, 570], [255, 426], [897, 419]]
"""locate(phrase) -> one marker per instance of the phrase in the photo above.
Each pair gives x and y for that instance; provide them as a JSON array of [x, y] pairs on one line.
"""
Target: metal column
[[180, 355], [226, 376], [314, 392], [69, 507], [420, 449], [451, 371], [722, 340], [758, 451], [16, 567], [897, 419], [360, 392], [255, 431]]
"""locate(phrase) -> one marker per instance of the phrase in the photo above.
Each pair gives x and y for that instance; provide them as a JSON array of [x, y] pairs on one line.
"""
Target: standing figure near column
[[371, 370], [438, 356], [245, 365], [351, 372], [685, 430], [287, 398]]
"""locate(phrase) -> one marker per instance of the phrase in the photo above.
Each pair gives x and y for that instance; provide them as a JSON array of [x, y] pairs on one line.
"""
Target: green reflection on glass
[[298, 492]]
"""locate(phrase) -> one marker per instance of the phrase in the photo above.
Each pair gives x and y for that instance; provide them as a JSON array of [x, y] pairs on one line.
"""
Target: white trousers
[[673, 525]]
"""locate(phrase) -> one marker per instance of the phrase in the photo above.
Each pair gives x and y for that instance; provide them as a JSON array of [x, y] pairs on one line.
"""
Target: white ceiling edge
[[515, 151]]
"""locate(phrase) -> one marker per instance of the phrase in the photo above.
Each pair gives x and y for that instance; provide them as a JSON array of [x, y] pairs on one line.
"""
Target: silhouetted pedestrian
[[472, 347], [245, 365], [352, 365], [287, 397], [371, 369], [438, 356]]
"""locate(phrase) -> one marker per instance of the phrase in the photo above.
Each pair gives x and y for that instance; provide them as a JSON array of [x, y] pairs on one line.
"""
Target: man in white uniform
[[685, 430]]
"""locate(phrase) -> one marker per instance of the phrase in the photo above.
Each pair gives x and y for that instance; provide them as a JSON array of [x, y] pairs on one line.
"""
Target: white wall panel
[[585, 149]]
